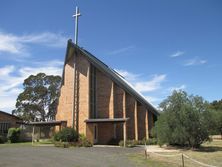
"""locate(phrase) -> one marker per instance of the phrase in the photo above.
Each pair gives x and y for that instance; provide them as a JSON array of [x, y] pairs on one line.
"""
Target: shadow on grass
[[212, 147], [209, 149]]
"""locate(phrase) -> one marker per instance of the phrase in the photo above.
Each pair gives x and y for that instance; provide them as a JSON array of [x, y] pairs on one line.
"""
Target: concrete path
[[156, 148]]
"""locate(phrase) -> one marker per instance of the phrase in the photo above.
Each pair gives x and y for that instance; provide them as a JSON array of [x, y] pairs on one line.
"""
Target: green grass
[[41, 142], [209, 153], [16, 144], [139, 160]]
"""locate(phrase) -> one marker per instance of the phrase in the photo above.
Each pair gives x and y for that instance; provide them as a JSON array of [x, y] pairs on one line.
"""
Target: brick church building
[[99, 103]]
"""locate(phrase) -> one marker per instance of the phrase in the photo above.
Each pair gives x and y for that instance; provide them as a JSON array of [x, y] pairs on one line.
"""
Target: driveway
[[27, 156]]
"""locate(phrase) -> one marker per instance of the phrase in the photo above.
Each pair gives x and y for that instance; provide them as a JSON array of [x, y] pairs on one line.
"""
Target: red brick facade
[[9, 119], [111, 101]]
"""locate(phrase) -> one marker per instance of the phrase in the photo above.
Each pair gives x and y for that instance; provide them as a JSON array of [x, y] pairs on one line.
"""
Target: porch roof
[[107, 120], [48, 123]]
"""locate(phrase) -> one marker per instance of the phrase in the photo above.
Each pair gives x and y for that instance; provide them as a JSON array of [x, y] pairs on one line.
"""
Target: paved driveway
[[27, 156]]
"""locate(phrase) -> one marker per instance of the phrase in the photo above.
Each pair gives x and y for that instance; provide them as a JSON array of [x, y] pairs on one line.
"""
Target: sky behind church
[[157, 45]]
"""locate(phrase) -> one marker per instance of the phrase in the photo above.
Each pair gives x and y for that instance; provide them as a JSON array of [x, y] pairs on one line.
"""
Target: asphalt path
[[27, 156]]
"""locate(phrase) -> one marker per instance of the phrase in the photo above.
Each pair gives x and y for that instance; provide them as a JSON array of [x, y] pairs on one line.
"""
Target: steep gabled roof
[[116, 77]]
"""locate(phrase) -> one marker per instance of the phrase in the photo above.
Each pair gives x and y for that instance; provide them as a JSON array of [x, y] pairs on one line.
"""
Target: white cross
[[76, 24]]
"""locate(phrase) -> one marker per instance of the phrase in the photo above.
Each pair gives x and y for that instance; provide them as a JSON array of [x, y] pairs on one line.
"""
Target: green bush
[[66, 135], [133, 143], [150, 141], [13, 135], [129, 143], [61, 144], [84, 142], [81, 142], [3, 139]]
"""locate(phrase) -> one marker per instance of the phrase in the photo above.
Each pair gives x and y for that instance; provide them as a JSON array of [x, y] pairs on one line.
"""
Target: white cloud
[[181, 87], [153, 100], [177, 54], [128, 75], [12, 77], [151, 85], [19, 45], [145, 87], [137, 81], [4, 71], [195, 61], [121, 50]]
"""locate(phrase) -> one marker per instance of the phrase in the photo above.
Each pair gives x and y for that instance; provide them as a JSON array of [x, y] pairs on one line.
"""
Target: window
[[93, 113], [4, 126], [95, 136]]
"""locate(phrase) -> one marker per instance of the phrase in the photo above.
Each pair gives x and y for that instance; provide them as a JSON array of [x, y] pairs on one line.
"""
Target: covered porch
[[105, 130], [35, 131]]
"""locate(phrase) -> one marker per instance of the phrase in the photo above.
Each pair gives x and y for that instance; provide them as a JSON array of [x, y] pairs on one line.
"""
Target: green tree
[[38, 101], [182, 121], [216, 107]]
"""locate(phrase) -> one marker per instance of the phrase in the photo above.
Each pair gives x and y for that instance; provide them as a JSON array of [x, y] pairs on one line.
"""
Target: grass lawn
[[209, 153], [16, 144], [41, 142]]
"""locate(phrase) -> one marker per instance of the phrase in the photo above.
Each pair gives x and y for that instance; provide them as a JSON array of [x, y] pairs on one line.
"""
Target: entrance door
[[95, 138]]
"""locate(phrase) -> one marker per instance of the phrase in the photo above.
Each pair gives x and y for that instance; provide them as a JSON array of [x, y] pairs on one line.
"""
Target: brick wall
[[150, 118], [118, 99], [130, 125], [65, 106], [141, 116], [10, 119], [103, 95], [83, 68]]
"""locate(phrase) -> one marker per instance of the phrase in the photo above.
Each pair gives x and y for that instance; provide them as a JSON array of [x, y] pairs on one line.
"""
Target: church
[[98, 102]]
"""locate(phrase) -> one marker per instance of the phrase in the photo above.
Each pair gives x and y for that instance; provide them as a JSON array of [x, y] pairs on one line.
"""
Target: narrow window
[[92, 92]]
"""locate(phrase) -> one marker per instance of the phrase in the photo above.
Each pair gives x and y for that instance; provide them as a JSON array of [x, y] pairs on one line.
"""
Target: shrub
[[66, 135], [3, 139], [61, 144], [81, 142], [13, 135], [133, 143], [129, 143], [84, 142], [150, 141]]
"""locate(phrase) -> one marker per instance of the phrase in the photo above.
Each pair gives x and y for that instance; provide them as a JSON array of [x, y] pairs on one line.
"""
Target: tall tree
[[182, 121], [216, 106], [38, 101]]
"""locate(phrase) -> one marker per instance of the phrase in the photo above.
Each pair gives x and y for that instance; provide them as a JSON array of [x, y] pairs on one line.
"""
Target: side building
[[8, 121], [99, 103]]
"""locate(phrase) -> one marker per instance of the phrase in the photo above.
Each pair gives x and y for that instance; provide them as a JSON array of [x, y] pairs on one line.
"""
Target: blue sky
[[157, 45]]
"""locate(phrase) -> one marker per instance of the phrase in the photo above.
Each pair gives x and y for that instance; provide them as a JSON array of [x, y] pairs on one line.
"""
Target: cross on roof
[[76, 15]]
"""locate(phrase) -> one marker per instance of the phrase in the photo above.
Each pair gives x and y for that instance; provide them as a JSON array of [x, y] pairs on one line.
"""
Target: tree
[[182, 121], [216, 107], [38, 101]]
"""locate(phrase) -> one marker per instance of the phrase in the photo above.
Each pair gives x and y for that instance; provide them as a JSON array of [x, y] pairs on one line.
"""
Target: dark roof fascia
[[10, 115], [103, 67], [52, 123]]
